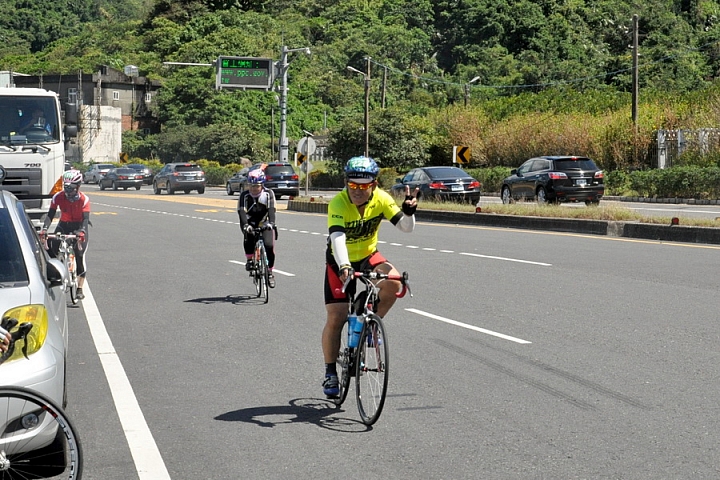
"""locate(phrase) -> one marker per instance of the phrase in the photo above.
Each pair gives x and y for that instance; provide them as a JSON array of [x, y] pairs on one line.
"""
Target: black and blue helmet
[[361, 167]]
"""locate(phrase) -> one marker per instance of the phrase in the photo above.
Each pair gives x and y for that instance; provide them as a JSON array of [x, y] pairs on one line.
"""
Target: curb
[[648, 231]]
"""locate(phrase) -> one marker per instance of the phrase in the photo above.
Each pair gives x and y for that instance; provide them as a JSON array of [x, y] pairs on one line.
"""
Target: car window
[[540, 164], [525, 167], [408, 176], [12, 263], [279, 170], [188, 168], [124, 170], [578, 164], [41, 255], [447, 172]]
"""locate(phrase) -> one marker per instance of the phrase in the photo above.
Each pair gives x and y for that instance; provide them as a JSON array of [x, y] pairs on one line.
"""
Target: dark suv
[[552, 179], [179, 176], [280, 178]]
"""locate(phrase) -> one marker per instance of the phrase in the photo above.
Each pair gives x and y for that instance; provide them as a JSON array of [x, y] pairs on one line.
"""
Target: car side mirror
[[56, 273], [398, 180], [513, 171]]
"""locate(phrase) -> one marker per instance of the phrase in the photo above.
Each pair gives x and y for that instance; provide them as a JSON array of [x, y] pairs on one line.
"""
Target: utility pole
[[366, 76], [282, 68], [635, 72]]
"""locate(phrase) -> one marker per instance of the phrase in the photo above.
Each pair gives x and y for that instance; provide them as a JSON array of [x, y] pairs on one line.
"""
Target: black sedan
[[237, 181], [552, 179], [439, 183], [121, 178]]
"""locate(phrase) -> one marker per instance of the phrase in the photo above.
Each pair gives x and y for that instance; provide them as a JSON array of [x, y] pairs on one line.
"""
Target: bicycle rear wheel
[[39, 441], [344, 365], [371, 375]]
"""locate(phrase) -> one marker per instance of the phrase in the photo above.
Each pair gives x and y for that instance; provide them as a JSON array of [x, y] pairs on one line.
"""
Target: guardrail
[[649, 231]]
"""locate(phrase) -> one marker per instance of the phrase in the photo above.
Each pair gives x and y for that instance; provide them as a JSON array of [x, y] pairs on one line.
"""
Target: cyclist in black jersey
[[256, 209], [354, 217]]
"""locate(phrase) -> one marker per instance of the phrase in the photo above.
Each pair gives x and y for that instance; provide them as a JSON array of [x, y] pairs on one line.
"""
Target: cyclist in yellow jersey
[[354, 217]]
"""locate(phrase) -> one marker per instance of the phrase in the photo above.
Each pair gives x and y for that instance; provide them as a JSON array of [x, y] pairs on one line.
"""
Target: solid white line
[[465, 325], [275, 270], [146, 455], [507, 259]]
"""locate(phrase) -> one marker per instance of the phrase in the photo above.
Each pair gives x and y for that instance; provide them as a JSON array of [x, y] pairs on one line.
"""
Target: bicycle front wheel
[[39, 441], [264, 274], [371, 374], [72, 271]]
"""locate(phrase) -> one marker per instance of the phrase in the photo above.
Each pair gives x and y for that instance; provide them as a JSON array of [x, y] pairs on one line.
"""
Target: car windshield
[[12, 264], [28, 120], [578, 164], [448, 172], [188, 168], [104, 166]]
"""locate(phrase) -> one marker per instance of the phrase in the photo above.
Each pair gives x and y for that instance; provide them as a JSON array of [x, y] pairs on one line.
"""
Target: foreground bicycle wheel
[[344, 364], [38, 440], [371, 374]]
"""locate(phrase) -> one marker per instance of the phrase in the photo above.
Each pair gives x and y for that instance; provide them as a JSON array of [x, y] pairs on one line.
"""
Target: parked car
[[96, 172], [144, 170], [237, 181], [439, 183], [121, 178], [552, 179], [179, 176], [32, 289], [280, 178]]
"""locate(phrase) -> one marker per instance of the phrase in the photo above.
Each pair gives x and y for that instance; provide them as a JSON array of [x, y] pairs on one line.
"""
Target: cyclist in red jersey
[[74, 219]]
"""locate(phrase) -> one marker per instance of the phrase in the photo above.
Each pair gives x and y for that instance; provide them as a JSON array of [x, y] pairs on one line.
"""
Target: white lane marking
[[507, 259], [146, 455], [465, 325], [275, 270]]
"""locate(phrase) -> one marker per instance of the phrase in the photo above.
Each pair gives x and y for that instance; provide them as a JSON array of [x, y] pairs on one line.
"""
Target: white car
[[32, 290], [96, 172]]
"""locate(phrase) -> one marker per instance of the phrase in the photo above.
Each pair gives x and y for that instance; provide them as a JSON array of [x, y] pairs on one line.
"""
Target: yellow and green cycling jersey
[[361, 232]]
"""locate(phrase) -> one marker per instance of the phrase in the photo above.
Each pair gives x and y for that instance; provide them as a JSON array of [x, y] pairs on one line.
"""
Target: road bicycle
[[38, 439], [66, 254], [366, 357], [260, 271]]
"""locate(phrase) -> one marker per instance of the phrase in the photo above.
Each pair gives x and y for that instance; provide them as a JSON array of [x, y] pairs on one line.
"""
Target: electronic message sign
[[244, 72]]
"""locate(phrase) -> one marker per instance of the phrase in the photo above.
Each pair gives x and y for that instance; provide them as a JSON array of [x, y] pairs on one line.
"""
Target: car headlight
[[36, 315]]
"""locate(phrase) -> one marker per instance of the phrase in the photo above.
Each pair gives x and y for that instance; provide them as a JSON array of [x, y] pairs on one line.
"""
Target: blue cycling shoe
[[331, 386]]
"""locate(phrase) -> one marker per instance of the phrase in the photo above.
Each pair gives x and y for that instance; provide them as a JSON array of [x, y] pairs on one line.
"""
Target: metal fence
[[671, 144]]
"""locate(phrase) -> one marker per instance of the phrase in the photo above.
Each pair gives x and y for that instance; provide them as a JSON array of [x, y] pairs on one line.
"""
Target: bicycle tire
[[264, 273], [61, 458], [256, 271], [72, 269], [372, 368], [344, 364]]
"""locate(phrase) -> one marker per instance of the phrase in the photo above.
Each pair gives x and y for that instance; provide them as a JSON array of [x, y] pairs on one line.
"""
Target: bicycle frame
[[261, 270]]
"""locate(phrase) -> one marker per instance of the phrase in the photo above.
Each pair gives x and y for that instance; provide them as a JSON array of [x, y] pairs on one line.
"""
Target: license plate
[[581, 181], [456, 188], [281, 185]]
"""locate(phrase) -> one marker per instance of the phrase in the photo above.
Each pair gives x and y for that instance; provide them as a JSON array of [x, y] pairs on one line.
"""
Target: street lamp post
[[282, 68], [467, 89], [366, 76]]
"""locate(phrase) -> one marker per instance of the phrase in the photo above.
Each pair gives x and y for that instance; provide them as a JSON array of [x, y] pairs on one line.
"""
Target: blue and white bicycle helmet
[[256, 177], [361, 168]]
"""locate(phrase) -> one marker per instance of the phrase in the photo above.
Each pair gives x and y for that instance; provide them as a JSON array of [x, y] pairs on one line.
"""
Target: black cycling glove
[[408, 209]]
